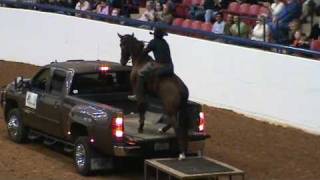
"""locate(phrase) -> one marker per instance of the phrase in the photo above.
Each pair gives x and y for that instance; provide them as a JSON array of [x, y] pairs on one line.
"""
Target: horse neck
[[138, 57]]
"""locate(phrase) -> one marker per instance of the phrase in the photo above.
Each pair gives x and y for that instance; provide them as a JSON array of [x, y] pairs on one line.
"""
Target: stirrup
[[132, 97]]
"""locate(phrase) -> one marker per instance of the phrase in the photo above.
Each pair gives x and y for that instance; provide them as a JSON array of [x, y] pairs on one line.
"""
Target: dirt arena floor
[[262, 150]]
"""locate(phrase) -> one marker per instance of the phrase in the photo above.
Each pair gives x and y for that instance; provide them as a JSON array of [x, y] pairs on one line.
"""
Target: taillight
[[104, 68], [201, 122], [118, 126]]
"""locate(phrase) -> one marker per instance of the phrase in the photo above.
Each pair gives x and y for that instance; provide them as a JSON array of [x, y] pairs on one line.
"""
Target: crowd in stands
[[276, 21]]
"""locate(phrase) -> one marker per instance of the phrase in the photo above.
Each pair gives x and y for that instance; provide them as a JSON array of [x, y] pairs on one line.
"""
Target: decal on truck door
[[31, 100]]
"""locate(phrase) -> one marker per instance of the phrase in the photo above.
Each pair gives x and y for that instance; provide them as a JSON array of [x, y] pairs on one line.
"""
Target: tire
[[16, 129], [82, 156]]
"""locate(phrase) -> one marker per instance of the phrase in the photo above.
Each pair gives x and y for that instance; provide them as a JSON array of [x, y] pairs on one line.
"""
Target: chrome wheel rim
[[13, 126], [80, 156]]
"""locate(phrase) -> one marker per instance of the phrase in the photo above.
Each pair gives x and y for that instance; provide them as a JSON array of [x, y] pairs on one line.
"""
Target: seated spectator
[[166, 16], [218, 26], [300, 40], [197, 12], [239, 28], [82, 5], [115, 12], [229, 22], [260, 32], [158, 11], [315, 31], [103, 8], [294, 26], [148, 14], [211, 7]]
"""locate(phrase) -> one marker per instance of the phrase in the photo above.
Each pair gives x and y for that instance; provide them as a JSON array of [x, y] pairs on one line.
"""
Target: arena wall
[[273, 87]]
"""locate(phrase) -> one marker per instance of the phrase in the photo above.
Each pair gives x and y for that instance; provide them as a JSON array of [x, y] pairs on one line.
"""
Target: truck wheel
[[82, 156], [16, 129]]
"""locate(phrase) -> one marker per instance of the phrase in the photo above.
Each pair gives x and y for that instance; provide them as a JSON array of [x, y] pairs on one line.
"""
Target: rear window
[[106, 82]]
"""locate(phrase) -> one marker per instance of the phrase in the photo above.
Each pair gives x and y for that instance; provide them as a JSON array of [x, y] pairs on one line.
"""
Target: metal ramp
[[198, 168]]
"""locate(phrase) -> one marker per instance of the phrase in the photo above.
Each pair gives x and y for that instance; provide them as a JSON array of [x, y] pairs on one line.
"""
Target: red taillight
[[201, 121], [104, 68], [118, 126]]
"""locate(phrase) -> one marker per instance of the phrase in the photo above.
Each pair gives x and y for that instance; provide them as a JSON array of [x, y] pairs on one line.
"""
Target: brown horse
[[171, 89]]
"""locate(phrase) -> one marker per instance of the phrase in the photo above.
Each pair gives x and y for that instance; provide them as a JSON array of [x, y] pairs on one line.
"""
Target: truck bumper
[[194, 147]]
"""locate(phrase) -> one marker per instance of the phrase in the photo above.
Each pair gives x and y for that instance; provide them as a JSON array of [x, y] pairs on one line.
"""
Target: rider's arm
[[149, 48]]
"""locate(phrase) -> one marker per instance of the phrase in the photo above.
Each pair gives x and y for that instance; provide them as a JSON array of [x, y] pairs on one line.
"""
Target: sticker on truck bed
[[31, 100]]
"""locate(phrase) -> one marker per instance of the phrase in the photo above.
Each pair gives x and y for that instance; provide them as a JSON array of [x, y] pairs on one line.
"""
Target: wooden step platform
[[203, 168]]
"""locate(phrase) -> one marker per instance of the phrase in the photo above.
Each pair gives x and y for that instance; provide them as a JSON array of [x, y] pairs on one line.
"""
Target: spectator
[[239, 28], [275, 8], [280, 22], [211, 7], [103, 8], [260, 31], [116, 3], [294, 26], [196, 12], [166, 16], [218, 26], [315, 31], [148, 14], [229, 22], [82, 5], [158, 11], [115, 12], [300, 40], [309, 7]]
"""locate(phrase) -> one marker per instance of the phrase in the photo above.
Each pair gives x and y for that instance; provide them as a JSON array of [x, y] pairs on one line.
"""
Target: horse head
[[130, 47]]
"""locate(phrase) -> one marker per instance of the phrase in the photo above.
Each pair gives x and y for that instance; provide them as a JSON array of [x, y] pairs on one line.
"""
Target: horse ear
[[120, 36], [132, 35]]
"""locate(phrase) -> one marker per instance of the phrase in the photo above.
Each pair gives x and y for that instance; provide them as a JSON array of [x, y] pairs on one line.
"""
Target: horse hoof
[[160, 130], [182, 156], [140, 130]]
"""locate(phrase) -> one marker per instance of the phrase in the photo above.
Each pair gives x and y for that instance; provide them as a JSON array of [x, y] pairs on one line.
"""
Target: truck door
[[38, 88], [50, 105]]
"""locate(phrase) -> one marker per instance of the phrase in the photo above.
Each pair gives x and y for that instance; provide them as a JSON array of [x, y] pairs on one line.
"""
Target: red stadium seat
[[187, 23], [315, 45], [254, 10], [196, 25], [205, 26], [244, 9], [264, 10], [233, 7], [177, 21], [181, 11]]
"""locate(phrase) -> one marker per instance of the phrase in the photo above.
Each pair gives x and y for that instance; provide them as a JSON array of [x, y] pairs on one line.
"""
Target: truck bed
[[151, 127]]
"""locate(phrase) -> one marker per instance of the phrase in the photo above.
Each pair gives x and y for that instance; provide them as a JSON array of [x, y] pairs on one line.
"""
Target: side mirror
[[19, 83]]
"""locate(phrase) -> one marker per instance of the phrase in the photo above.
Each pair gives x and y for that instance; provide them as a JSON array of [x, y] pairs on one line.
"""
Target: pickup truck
[[84, 105]]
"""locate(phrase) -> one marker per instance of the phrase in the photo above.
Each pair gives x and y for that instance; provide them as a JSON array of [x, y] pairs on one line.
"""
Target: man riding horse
[[162, 66]]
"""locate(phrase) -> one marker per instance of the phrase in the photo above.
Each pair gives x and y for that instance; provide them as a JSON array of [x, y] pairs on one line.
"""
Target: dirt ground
[[262, 150]]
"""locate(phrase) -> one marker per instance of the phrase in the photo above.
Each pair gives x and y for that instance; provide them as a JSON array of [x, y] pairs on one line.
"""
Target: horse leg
[[142, 112], [182, 136]]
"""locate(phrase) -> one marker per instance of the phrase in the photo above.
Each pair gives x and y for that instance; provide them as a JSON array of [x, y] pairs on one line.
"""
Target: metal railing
[[277, 48]]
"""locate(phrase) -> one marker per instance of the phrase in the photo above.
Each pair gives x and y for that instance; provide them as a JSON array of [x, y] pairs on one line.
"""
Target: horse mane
[[137, 48]]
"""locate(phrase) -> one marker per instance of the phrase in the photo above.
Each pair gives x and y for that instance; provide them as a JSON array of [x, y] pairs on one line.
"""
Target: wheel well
[[10, 104], [78, 130]]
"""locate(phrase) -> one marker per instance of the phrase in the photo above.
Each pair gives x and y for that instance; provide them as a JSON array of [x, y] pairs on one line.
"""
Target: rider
[[162, 66]]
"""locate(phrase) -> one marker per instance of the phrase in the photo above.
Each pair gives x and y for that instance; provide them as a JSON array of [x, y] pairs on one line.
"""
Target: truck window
[[57, 82], [90, 83], [40, 81]]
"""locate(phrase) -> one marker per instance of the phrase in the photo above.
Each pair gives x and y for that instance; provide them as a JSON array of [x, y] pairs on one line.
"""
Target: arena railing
[[277, 48]]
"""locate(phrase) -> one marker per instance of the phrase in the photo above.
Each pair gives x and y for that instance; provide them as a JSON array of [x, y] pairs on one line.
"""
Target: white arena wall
[[273, 87]]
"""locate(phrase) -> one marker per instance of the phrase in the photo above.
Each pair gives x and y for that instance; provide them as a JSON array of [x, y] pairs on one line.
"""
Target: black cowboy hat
[[159, 32]]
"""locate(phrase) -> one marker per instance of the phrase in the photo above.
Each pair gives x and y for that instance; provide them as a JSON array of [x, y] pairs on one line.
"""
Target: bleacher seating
[[315, 45]]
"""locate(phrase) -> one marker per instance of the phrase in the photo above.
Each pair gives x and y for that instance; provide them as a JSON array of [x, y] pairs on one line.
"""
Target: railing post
[[238, 24], [264, 28]]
